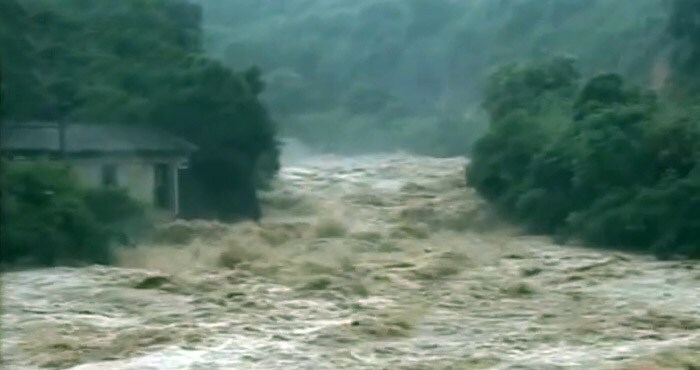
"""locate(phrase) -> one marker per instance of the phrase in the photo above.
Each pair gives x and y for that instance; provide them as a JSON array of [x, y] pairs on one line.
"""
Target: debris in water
[[519, 289], [531, 271], [329, 227], [318, 283], [153, 282], [411, 231]]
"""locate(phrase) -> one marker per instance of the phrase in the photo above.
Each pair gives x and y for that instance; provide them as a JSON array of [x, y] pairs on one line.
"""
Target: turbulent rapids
[[374, 262]]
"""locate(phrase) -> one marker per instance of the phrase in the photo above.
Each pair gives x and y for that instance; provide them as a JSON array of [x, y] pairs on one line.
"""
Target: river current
[[367, 262]]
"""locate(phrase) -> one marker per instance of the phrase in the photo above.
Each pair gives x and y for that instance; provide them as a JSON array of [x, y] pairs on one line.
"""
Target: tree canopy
[[141, 62], [598, 158], [607, 164]]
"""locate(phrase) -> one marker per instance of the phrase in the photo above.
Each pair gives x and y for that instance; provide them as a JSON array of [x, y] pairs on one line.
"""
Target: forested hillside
[[581, 116], [140, 62], [600, 159], [380, 74]]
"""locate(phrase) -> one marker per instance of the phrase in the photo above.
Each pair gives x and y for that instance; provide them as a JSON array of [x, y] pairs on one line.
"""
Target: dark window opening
[[109, 175], [162, 186]]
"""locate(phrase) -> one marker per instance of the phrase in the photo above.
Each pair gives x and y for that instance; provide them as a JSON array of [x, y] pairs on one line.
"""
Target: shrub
[[48, 219]]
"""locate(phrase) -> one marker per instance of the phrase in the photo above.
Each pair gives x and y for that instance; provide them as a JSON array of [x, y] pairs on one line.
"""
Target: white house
[[144, 161]]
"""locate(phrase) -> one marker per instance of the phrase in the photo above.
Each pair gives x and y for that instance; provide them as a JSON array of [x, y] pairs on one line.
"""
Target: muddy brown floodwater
[[375, 262]]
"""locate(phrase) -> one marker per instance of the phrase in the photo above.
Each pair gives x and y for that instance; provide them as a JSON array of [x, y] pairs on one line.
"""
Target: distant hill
[[427, 52]]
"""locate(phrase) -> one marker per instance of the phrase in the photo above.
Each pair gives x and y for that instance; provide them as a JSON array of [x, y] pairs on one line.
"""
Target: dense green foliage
[[47, 218], [604, 161], [571, 146], [381, 74], [684, 26], [140, 62]]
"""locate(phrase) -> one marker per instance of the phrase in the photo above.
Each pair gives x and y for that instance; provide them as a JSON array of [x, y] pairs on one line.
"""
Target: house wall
[[135, 174]]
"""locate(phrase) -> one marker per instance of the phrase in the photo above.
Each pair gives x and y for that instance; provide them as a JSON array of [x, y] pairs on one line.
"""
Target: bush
[[47, 219], [614, 171]]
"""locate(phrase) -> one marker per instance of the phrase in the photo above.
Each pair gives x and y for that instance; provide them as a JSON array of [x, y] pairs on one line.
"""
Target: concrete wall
[[135, 174]]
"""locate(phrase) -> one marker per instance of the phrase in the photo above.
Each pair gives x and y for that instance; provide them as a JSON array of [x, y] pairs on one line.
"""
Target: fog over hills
[[403, 69]]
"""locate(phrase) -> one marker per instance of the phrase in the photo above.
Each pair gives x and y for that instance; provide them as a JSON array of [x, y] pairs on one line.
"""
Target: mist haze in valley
[[378, 184], [377, 75]]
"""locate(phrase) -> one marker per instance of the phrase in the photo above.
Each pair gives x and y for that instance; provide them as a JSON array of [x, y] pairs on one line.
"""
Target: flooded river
[[375, 262]]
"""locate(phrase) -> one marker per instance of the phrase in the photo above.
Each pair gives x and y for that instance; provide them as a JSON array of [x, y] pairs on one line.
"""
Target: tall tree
[[141, 62]]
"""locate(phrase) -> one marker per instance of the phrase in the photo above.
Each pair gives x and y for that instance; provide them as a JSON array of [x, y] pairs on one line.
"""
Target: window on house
[[109, 175], [162, 186]]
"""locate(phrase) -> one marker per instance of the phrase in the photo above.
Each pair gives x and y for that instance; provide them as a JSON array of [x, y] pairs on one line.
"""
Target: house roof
[[42, 137]]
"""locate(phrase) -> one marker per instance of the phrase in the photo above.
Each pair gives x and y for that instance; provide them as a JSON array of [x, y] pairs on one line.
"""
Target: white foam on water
[[406, 292]]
